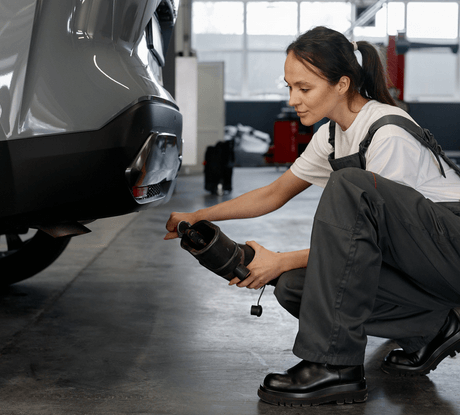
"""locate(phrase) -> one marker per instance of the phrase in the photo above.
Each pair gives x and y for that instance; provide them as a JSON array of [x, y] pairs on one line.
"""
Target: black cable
[[260, 296]]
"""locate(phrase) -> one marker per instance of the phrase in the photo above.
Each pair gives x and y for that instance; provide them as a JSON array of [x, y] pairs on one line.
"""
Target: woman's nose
[[293, 99]]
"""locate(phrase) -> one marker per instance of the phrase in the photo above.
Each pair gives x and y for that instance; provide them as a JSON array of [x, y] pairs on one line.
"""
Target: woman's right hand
[[174, 220]]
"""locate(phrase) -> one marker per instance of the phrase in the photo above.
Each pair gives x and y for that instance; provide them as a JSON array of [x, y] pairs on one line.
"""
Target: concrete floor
[[126, 323]]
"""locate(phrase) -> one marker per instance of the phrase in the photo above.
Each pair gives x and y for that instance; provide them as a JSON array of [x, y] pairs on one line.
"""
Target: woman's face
[[311, 95]]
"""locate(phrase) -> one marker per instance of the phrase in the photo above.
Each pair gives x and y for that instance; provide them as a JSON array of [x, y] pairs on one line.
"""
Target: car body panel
[[73, 65]]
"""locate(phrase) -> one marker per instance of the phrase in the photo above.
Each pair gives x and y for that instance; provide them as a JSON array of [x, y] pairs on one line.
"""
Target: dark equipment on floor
[[217, 252], [218, 167]]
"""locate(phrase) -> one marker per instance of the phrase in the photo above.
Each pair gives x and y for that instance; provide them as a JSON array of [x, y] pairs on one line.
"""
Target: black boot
[[310, 383], [447, 342]]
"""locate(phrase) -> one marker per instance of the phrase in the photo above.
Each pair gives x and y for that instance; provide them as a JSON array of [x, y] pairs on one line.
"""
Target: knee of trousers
[[346, 187], [289, 287], [281, 290]]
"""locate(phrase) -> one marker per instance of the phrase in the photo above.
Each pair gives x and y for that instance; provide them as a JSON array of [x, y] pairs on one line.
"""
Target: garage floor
[[126, 323]]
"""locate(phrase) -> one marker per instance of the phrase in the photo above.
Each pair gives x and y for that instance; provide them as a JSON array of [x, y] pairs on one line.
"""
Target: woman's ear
[[343, 85]]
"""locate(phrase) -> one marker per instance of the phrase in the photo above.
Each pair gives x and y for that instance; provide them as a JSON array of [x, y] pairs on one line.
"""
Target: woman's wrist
[[198, 215], [283, 262]]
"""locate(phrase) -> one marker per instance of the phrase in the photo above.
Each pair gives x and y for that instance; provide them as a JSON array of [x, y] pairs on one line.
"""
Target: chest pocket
[[422, 135]]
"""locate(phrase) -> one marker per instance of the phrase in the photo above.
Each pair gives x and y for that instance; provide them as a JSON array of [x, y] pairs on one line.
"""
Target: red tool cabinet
[[290, 139]]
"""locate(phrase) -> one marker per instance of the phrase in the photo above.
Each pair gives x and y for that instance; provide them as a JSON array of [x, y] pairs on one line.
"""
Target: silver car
[[87, 129]]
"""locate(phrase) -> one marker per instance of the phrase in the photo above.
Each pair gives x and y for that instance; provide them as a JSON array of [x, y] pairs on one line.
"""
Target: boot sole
[[340, 394], [449, 348]]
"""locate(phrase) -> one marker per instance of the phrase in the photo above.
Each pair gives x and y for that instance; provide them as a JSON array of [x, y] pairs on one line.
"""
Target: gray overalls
[[384, 261]]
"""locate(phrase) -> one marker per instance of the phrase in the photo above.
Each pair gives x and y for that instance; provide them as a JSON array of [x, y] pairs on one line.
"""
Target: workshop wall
[[258, 114], [440, 118]]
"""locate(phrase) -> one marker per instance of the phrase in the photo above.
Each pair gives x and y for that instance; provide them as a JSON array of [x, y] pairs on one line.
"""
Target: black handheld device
[[217, 252]]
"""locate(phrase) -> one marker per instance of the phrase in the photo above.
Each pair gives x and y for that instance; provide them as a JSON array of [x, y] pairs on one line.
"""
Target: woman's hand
[[174, 220], [265, 267]]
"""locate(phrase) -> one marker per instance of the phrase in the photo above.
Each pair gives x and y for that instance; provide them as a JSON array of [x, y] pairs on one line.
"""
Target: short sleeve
[[395, 155]]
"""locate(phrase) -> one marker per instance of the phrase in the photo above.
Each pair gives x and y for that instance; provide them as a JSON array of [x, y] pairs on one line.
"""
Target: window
[[218, 25], [432, 20], [388, 21], [250, 36], [271, 26], [336, 15], [431, 73], [224, 17], [272, 18], [396, 16], [271, 85], [233, 70]]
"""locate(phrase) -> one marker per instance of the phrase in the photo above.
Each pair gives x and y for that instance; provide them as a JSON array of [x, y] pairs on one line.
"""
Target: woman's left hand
[[265, 267]]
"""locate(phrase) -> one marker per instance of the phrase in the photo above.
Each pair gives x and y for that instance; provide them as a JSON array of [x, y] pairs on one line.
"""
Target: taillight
[[144, 194], [140, 192]]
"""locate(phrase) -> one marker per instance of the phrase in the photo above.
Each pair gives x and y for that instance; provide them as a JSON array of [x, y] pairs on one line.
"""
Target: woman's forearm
[[294, 259], [257, 202], [249, 205]]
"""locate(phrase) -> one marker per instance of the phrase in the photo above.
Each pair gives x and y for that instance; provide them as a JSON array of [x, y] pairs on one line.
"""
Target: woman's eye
[[304, 90]]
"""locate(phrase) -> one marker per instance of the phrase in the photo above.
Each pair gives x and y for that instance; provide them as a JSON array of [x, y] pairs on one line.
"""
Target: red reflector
[[140, 191]]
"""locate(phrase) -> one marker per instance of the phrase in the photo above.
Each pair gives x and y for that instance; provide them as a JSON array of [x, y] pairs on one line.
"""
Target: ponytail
[[374, 81], [333, 54]]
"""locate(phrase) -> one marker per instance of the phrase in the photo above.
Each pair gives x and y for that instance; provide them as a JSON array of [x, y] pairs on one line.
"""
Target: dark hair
[[333, 54]]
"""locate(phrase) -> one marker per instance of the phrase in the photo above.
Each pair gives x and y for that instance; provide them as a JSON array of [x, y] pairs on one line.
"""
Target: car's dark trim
[[80, 176]]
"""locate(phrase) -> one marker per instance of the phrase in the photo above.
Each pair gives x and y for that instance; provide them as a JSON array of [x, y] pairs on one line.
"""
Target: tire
[[23, 256]]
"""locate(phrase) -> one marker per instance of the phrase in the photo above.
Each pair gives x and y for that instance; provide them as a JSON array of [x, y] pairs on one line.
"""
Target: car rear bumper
[[93, 174]]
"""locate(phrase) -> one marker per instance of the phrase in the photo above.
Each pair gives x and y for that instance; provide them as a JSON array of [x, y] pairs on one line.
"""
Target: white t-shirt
[[393, 154]]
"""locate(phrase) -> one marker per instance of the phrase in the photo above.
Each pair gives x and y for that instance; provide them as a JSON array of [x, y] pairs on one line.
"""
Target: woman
[[384, 258]]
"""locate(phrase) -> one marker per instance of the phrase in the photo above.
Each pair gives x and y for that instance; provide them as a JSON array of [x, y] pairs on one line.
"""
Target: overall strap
[[332, 133], [331, 157], [423, 135]]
